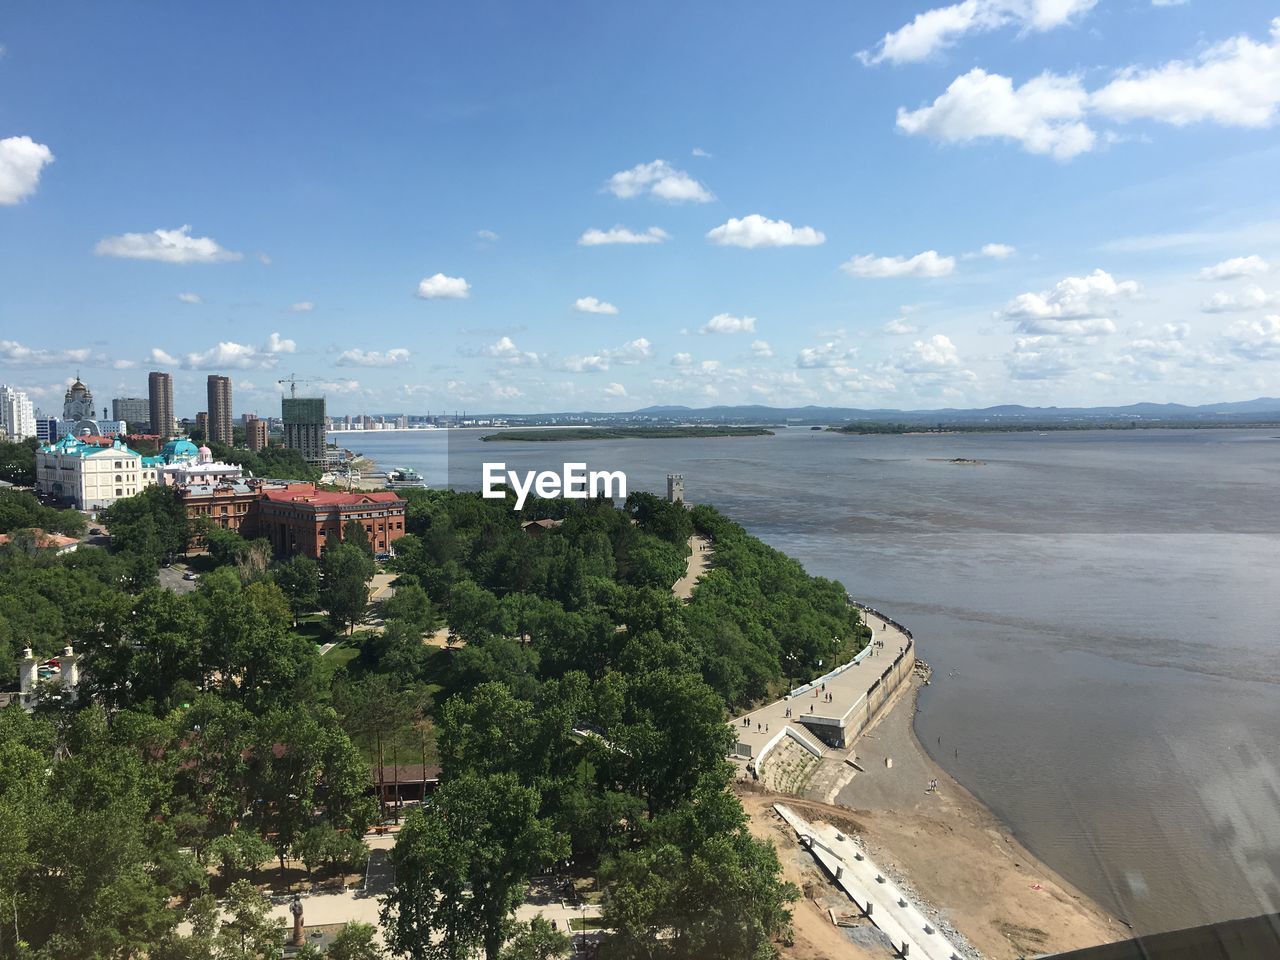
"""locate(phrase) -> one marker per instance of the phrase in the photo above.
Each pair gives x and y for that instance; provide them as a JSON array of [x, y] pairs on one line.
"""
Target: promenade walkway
[[699, 558], [847, 689]]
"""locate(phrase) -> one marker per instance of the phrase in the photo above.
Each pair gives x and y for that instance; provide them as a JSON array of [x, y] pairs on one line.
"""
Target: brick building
[[301, 519]]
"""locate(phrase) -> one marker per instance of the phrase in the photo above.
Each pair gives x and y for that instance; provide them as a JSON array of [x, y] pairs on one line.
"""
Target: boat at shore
[[405, 478]]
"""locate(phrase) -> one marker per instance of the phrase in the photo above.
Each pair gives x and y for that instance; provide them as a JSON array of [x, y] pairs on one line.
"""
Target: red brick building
[[302, 519]]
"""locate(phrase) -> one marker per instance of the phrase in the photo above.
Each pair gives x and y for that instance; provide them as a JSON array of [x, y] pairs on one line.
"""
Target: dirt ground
[[946, 846]]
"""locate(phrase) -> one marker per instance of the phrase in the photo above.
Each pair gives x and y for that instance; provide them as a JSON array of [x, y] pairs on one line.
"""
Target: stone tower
[[675, 488]]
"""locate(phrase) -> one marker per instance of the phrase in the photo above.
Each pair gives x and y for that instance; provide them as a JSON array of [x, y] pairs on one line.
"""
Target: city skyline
[[465, 224]]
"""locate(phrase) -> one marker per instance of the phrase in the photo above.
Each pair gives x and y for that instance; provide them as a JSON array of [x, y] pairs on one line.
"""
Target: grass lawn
[[590, 923]]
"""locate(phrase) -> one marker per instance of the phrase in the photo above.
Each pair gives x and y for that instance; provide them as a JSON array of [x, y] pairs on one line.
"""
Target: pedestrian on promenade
[[766, 728]]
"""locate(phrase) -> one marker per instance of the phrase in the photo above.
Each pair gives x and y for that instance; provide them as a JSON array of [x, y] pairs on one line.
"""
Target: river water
[[1101, 609]]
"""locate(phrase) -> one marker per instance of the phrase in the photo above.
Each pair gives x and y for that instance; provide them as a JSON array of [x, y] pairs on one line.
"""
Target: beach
[[964, 865]]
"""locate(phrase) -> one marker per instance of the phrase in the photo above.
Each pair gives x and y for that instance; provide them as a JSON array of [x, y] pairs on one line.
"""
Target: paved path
[[699, 556], [846, 690]]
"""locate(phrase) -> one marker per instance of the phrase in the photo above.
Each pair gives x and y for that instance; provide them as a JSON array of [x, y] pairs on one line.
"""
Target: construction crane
[[293, 380]]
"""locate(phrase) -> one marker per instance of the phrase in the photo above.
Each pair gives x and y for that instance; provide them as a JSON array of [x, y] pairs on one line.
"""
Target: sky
[[506, 206]]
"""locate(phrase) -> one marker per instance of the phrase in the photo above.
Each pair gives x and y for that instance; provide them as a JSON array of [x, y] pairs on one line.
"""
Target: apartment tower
[[219, 410], [160, 394]]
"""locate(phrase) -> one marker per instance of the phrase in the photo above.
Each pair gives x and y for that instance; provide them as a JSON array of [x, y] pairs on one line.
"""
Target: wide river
[[1101, 609]]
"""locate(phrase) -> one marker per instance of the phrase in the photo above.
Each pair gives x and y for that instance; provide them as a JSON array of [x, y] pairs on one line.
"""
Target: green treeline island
[[628, 433], [578, 712]]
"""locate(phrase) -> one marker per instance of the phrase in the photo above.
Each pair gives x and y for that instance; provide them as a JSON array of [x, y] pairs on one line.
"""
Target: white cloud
[[1250, 298], [1235, 83], [506, 350], [1045, 114], [487, 235], [997, 251], [355, 357], [1075, 307], [900, 326], [158, 356], [1169, 3], [620, 234], [1257, 339], [165, 246], [278, 344], [727, 323], [615, 390], [441, 287], [933, 355], [927, 264], [594, 363], [830, 354], [592, 305], [302, 306], [633, 351], [754, 231], [1235, 268], [504, 391], [761, 348], [1040, 358], [937, 29], [13, 353], [682, 360], [21, 161], [658, 179], [190, 298], [228, 354], [699, 152]]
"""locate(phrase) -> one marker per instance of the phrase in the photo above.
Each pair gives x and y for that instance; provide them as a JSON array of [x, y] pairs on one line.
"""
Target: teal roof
[[69, 446], [180, 448]]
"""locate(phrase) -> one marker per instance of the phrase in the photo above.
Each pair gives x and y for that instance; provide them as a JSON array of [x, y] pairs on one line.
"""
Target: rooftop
[[325, 498]]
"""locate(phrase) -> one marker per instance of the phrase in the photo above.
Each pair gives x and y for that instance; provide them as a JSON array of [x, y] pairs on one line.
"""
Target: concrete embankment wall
[[877, 695]]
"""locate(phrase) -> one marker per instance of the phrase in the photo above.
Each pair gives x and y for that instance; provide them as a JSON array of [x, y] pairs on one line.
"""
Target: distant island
[[628, 433]]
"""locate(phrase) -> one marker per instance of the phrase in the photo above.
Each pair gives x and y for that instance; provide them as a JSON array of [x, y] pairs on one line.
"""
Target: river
[[1101, 609]]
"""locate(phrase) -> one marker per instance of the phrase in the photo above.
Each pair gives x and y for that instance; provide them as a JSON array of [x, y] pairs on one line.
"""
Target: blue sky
[[871, 204]]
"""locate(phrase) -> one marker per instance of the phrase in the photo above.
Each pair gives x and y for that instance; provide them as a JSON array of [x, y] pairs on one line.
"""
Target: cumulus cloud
[[927, 264], [830, 354], [1257, 339], [441, 287], [165, 246], [228, 354], [615, 390], [190, 298], [936, 30], [1045, 114], [727, 323], [1250, 298], [754, 231], [761, 348], [592, 305], [933, 355], [997, 251], [487, 235], [633, 351], [21, 161], [158, 356], [278, 344], [506, 350], [900, 326], [1075, 307], [658, 179], [1235, 83], [1040, 358], [1235, 268], [302, 306], [620, 234], [355, 357], [13, 353], [682, 360]]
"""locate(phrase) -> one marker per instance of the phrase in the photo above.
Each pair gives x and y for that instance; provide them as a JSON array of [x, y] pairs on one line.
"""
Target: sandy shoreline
[[963, 862]]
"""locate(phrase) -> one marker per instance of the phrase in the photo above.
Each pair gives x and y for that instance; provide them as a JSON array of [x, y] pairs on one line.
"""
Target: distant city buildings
[[17, 416], [135, 411], [202, 424], [160, 397], [219, 423], [304, 426]]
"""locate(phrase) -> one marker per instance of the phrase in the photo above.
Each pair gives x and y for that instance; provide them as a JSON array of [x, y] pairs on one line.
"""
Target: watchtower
[[675, 488]]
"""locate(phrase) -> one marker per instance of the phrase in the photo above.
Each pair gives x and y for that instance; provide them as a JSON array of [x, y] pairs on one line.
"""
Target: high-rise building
[[304, 426], [255, 433], [202, 424], [219, 410], [135, 411], [160, 394], [17, 416]]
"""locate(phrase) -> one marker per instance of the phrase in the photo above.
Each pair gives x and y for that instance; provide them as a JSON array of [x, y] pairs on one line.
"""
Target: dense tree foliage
[[20, 510], [275, 463], [18, 461]]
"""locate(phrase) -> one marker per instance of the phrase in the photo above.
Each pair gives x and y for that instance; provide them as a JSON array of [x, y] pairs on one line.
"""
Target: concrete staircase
[[788, 767]]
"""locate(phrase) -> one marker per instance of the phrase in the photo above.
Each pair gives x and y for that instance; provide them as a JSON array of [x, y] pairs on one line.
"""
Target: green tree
[[354, 533], [461, 866], [18, 462], [345, 572], [250, 933], [537, 940], [299, 578], [152, 524], [355, 942], [411, 606], [241, 851]]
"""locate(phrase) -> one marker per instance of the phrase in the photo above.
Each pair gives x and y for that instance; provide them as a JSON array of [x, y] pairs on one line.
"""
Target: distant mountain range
[[1263, 409]]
